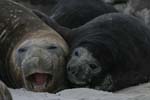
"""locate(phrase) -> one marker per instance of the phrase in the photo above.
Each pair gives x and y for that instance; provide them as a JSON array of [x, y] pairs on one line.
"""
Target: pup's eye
[[76, 53], [22, 50], [52, 47]]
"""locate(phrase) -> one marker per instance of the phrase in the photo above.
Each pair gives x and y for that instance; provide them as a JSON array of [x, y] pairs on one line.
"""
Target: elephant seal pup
[[32, 54], [4, 92], [111, 52]]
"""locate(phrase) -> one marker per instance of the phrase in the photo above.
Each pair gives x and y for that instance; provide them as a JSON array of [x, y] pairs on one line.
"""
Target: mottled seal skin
[[137, 5], [140, 9], [4, 92], [32, 54], [109, 53]]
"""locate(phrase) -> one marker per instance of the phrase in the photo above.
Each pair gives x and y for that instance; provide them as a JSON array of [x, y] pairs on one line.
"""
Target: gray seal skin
[[32, 54], [4, 92]]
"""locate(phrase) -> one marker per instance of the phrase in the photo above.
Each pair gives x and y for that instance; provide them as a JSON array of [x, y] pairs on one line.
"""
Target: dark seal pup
[[111, 52], [4, 92], [74, 13], [32, 53]]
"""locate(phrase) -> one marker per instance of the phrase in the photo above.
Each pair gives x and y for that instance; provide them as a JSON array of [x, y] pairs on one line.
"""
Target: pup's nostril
[[68, 68], [93, 66], [71, 70]]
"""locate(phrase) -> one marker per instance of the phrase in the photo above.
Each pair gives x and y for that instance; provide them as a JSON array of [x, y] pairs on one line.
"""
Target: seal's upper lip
[[32, 72], [75, 81]]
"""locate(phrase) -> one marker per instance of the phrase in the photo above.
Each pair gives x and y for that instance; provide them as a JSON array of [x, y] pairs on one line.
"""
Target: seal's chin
[[39, 81], [76, 82]]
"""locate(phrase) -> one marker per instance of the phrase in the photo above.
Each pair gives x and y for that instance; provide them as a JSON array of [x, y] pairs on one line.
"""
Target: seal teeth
[[39, 87]]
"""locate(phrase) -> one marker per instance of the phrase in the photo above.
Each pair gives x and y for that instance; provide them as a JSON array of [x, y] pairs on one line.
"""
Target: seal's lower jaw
[[39, 82], [76, 82]]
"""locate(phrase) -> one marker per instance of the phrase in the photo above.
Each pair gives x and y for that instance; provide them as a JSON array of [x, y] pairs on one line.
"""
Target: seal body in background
[[74, 13]]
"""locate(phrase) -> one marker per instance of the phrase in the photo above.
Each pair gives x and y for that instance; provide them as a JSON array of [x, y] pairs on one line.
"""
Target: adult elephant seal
[[32, 53], [4, 92], [109, 53]]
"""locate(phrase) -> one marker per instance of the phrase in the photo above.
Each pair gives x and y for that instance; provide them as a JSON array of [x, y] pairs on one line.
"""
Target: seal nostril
[[68, 68], [93, 66], [71, 70]]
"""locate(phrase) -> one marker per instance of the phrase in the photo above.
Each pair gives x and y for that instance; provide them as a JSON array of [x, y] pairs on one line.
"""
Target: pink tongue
[[40, 79]]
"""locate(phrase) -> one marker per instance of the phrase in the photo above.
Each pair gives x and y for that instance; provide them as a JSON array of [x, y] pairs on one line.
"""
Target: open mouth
[[77, 83], [39, 81]]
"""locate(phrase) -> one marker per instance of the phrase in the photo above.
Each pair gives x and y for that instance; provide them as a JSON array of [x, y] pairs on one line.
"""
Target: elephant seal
[[4, 92], [111, 52], [74, 13], [32, 54]]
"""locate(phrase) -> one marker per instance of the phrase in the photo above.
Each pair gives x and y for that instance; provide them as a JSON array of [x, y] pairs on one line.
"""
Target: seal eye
[[51, 47], [77, 53], [22, 50]]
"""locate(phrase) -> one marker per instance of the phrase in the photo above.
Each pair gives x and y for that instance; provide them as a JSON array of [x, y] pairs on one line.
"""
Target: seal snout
[[41, 61], [80, 74], [82, 67]]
